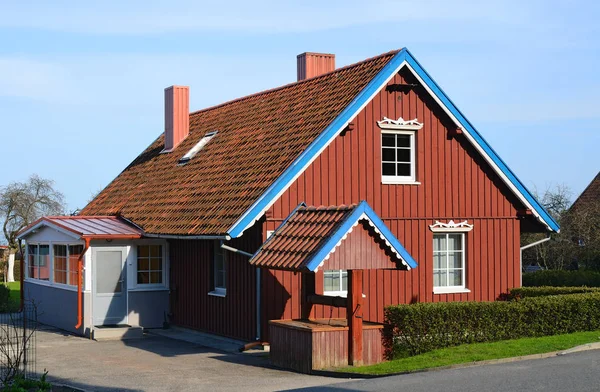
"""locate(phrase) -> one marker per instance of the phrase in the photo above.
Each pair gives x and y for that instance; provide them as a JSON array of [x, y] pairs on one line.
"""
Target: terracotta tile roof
[[89, 226], [304, 232], [259, 136], [590, 194], [310, 235]]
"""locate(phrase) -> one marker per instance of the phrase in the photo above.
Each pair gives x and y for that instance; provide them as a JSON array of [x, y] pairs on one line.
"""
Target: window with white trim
[[335, 283], [449, 262], [219, 278], [150, 265], [398, 156]]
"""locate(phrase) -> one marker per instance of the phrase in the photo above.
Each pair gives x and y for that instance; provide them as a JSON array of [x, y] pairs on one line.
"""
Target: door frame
[[125, 249]]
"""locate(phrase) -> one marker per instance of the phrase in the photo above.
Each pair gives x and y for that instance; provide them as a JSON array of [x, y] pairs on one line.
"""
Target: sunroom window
[[149, 264], [39, 262]]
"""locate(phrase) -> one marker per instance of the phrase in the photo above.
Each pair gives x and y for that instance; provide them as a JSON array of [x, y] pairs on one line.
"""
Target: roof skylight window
[[199, 146]]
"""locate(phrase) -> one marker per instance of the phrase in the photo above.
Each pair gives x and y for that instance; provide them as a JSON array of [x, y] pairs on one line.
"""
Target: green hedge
[[527, 292], [418, 328], [561, 278]]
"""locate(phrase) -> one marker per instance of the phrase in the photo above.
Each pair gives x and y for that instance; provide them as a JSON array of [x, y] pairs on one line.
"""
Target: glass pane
[[219, 279], [143, 264], [403, 140], [60, 276], [439, 242], [388, 154], [388, 139], [60, 250], [109, 271], [155, 251], [454, 259], [404, 169], [344, 280], [454, 241], [328, 281], [388, 169], [143, 251], [43, 261], [456, 277], [156, 264], [438, 260], [155, 277], [143, 277], [439, 278], [403, 155], [75, 250]]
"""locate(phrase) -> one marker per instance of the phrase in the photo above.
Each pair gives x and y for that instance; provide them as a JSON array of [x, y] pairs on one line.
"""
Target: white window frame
[[410, 179], [452, 289], [340, 292], [219, 291], [165, 266]]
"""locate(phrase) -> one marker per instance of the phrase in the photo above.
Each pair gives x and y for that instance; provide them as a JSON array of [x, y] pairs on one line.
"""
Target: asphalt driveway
[[156, 363]]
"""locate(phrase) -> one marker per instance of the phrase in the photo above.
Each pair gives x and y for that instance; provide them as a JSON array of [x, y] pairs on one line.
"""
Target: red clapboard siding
[[455, 184], [191, 307]]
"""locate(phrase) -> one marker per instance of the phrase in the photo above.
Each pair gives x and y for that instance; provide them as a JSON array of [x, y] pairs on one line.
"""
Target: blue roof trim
[[344, 117], [342, 230], [481, 141]]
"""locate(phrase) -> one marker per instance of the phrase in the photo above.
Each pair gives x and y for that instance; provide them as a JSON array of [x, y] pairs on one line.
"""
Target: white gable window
[[398, 151], [449, 257], [219, 275]]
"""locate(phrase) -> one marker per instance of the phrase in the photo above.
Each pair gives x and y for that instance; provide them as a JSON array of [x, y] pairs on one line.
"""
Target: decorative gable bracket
[[450, 226], [400, 123]]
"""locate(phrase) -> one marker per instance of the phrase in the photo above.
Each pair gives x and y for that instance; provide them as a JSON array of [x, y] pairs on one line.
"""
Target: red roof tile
[[259, 136], [90, 226], [304, 232]]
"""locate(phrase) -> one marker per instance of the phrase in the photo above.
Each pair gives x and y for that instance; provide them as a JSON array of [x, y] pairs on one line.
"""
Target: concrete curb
[[583, 347]]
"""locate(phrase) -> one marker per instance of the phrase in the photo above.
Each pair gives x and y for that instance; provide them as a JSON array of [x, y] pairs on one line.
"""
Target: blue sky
[[81, 85]]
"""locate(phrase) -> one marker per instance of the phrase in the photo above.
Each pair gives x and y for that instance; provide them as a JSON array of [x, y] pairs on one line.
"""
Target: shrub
[[4, 298], [525, 292], [418, 328], [560, 278]]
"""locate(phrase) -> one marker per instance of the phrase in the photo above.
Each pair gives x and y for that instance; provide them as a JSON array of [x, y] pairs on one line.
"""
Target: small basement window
[[199, 146]]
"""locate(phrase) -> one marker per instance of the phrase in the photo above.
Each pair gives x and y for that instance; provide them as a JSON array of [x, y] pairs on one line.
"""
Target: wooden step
[[117, 332]]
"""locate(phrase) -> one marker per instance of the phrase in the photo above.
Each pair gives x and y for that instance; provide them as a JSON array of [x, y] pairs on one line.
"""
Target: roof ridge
[[271, 90]]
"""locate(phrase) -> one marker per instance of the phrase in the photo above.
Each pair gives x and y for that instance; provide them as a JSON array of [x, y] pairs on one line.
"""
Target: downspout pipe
[[258, 288], [536, 243], [79, 283]]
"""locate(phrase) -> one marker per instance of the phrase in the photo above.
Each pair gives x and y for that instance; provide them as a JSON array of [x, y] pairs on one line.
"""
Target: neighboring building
[[589, 196], [380, 131]]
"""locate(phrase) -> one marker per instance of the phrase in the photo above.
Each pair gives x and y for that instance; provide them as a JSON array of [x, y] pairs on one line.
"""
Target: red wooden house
[[379, 131]]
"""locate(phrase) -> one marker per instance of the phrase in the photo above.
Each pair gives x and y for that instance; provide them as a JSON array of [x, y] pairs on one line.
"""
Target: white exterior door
[[109, 285]]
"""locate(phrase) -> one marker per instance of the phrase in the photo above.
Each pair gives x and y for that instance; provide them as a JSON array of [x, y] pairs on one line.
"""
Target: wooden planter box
[[307, 345]]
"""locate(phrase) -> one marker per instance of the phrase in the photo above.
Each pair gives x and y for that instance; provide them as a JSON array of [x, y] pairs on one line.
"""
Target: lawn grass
[[479, 352], [15, 295]]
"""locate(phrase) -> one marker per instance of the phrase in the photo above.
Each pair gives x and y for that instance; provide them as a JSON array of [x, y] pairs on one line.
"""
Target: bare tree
[[557, 253], [21, 203], [578, 243]]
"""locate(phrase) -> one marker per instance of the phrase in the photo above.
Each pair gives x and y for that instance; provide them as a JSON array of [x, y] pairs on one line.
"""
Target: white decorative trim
[[400, 123], [387, 243], [450, 290], [450, 227]]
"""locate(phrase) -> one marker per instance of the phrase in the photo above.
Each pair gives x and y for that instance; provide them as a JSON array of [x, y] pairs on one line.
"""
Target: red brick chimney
[[314, 64], [177, 115]]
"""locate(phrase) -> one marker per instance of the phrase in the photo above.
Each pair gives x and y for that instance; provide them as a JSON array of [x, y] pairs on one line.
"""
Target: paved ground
[[572, 372], [157, 363]]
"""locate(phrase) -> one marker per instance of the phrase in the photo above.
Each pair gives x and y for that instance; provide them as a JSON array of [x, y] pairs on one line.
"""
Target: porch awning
[[343, 237], [91, 227]]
